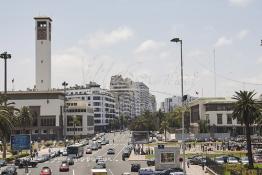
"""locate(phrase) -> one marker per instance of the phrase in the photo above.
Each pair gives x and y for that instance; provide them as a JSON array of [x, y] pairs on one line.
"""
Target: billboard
[[167, 157], [20, 142], [140, 137]]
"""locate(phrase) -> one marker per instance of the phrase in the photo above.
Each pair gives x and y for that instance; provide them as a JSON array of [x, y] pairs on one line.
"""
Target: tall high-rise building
[[132, 98], [43, 53]]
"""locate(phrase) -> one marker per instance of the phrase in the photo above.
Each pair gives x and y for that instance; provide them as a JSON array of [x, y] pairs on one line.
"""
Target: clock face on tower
[[41, 30]]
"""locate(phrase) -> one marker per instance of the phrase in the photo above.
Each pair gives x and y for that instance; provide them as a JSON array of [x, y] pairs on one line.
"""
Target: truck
[[98, 172]]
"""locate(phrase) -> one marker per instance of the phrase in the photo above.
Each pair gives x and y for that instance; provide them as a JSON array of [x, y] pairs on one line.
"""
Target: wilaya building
[[217, 112], [46, 108]]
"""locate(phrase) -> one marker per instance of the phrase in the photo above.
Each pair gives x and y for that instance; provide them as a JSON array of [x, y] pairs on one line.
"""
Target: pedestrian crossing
[[84, 159]]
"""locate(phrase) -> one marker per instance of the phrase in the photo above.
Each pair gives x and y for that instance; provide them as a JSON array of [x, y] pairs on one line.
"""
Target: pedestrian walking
[[188, 163]]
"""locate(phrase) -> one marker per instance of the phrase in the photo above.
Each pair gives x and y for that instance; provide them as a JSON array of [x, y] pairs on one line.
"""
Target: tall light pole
[[5, 56], [64, 118], [182, 101]]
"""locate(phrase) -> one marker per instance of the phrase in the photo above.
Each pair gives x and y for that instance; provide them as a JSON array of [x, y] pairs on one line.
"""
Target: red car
[[46, 171], [64, 167]]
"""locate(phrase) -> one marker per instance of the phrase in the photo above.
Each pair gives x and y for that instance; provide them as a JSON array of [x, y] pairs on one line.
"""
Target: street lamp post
[[64, 118], [182, 95], [5, 56]]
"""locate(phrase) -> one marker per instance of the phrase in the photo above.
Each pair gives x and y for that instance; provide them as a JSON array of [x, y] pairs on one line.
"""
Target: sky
[[95, 39]]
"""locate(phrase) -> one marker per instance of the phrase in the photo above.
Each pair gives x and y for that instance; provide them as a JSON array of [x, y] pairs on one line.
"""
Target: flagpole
[[13, 87]]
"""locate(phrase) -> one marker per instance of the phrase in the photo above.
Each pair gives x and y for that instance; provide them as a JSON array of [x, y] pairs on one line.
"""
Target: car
[[98, 158], [232, 160], [145, 171], [64, 153], [103, 142], [135, 167], [171, 170], [94, 139], [89, 151], [150, 162], [2, 163], [221, 159], [46, 171], [176, 173], [64, 167], [102, 163], [94, 146], [10, 170], [99, 146], [21, 163], [70, 161], [40, 159], [126, 173], [111, 151], [244, 160]]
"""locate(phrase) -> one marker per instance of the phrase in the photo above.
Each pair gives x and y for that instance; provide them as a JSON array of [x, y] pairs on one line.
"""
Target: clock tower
[[43, 53]]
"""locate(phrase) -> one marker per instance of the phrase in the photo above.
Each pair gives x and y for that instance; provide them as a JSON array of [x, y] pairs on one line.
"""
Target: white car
[[244, 160], [64, 153], [176, 173], [232, 160]]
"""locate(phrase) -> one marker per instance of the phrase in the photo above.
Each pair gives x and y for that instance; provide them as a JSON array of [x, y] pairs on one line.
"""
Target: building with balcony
[[79, 118]]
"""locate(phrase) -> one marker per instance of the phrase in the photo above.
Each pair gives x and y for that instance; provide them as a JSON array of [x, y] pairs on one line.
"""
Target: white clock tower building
[[43, 53]]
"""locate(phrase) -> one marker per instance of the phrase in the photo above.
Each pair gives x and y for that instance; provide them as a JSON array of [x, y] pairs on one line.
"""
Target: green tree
[[7, 120], [164, 127], [76, 122], [25, 119], [247, 111]]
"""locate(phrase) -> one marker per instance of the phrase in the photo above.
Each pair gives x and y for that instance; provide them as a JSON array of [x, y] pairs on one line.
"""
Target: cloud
[[240, 3], [259, 60], [101, 38], [242, 34], [223, 41], [148, 45]]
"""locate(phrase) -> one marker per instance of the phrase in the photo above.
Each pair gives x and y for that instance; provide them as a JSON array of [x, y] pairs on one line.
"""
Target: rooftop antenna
[[215, 79]]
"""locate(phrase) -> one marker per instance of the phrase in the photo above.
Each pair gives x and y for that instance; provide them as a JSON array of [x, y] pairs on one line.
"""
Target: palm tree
[[25, 119], [76, 122], [7, 120], [164, 127], [247, 111]]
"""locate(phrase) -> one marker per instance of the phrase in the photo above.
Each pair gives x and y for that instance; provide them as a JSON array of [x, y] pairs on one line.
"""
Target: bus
[[75, 151]]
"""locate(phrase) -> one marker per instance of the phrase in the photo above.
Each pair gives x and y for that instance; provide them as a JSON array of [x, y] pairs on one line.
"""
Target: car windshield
[[45, 170], [64, 164]]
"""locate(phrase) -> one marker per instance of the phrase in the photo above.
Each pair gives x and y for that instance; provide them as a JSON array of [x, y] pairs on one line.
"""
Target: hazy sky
[[93, 40]]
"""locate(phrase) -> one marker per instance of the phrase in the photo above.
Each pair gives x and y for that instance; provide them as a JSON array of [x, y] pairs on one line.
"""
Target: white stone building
[[84, 116], [100, 100], [47, 112], [133, 98]]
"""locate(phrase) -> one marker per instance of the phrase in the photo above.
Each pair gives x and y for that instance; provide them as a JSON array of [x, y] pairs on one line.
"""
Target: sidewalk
[[195, 169], [134, 157]]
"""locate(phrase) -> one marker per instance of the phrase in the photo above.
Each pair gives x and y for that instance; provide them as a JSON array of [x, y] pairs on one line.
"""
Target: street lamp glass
[[175, 40]]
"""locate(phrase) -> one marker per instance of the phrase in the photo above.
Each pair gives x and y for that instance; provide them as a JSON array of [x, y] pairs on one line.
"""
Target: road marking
[[73, 172], [119, 153], [110, 171]]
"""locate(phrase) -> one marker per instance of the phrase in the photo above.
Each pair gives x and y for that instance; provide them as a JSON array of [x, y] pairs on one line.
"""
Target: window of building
[[42, 81], [36, 131], [88, 97], [48, 121], [97, 109], [207, 118], [229, 118], [96, 103], [83, 98], [97, 115], [96, 97], [219, 119], [97, 121], [238, 121], [90, 120]]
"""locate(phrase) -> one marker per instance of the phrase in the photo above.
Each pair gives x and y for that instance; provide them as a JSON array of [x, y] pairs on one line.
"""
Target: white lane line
[[119, 153], [73, 172], [110, 171]]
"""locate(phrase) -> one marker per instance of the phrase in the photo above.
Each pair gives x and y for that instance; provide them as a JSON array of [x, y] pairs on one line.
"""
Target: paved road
[[83, 166]]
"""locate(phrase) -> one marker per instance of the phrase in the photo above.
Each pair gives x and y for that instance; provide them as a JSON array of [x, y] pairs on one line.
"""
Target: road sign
[[20, 142], [140, 137]]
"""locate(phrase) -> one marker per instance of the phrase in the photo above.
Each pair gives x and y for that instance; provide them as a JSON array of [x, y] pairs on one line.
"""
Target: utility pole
[[5, 56], [64, 118]]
